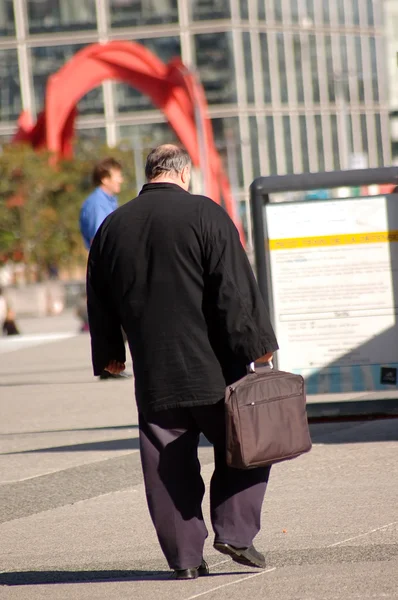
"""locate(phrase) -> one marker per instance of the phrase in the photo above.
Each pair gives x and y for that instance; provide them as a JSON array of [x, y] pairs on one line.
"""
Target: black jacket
[[169, 267]]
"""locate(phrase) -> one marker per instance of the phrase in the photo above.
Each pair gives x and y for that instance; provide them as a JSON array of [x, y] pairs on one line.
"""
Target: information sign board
[[334, 274]]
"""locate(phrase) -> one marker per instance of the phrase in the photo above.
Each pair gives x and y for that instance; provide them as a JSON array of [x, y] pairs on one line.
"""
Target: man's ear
[[185, 174]]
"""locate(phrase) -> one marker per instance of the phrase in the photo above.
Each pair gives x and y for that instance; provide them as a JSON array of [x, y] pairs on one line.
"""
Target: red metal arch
[[171, 87]]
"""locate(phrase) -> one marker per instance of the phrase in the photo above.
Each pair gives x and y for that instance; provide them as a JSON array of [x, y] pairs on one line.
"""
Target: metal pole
[[330, 179], [138, 161], [262, 258]]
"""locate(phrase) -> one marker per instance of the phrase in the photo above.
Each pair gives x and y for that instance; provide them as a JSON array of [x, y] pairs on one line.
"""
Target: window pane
[[371, 16], [280, 39], [261, 10], [58, 15], [265, 67], [254, 146], [340, 11], [247, 56], [228, 144], [242, 211], [373, 59], [7, 22], [304, 144], [316, 96], [310, 10], [335, 143], [319, 142], [359, 68], [202, 10], [46, 61], [244, 9], [364, 134], [350, 135], [298, 67], [294, 11], [278, 14], [142, 139], [355, 12], [128, 98], [394, 149], [288, 145], [88, 141], [127, 13], [379, 138], [329, 67], [344, 61], [10, 93], [215, 63], [326, 11], [147, 136], [92, 136], [273, 168]]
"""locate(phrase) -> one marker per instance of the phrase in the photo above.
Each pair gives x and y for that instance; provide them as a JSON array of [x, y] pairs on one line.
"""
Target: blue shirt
[[93, 212]]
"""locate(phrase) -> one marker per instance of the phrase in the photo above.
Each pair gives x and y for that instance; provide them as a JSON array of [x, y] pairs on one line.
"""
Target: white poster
[[334, 291]]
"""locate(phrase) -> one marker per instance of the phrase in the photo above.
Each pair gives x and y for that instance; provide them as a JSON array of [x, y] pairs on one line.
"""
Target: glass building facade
[[292, 85], [391, 30]]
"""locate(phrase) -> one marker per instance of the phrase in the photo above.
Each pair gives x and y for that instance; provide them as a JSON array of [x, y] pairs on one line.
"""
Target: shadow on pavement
[[39, 431], [57, 382], [357, 432], [126, 444], [47, 371], [53, 577], [370, 553], [111, 445]]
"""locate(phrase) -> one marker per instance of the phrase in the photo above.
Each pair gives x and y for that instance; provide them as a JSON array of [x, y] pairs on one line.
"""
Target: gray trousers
[[174, 487]]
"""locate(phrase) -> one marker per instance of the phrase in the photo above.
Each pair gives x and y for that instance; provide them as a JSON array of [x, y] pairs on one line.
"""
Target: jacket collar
[[150, 187]]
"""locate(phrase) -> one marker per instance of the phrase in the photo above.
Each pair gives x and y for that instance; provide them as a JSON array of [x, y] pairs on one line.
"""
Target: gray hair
[[166, 159]]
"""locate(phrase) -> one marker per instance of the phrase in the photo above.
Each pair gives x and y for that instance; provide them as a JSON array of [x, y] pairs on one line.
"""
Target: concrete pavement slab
[[74, 522], [321, 511]]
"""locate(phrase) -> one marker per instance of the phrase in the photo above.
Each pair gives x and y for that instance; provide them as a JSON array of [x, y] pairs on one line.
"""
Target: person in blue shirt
[[108, 179]]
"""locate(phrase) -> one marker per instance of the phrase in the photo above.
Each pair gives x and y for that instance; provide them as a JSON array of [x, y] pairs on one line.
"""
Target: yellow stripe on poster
[[343, 239]]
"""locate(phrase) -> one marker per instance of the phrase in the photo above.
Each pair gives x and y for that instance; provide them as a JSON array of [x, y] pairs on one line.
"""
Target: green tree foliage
[[40, 202]]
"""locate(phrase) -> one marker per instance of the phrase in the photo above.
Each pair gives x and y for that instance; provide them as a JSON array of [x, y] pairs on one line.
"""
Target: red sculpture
[[172, 88]]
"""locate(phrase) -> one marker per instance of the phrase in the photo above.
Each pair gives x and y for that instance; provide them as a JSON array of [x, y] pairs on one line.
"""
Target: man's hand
[[264, 359], [115, 367]]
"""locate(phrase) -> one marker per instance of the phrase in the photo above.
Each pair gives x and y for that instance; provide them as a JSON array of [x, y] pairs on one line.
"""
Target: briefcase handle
[[253, 366]]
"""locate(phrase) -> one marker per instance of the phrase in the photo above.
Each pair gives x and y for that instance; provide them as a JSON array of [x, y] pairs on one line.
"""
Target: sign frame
[[260, 191]]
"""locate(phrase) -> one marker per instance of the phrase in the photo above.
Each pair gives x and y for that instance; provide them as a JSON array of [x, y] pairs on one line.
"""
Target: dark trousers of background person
[[169, 442]]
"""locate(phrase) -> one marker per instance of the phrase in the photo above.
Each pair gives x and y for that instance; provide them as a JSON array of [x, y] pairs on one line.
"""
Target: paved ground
[[73, 518]]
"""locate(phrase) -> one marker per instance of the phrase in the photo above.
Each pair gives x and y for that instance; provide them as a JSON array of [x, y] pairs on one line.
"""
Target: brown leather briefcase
[[266, 419]]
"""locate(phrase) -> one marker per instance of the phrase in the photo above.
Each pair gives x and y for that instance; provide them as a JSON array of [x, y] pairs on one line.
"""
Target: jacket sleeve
[[238, 307], [105, 328]]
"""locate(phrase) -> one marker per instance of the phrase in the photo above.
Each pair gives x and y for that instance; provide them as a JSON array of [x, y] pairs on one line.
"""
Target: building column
[[25, 80]]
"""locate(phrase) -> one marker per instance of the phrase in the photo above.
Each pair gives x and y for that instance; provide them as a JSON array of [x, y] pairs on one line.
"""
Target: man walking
[[107, 178], [169, 267]]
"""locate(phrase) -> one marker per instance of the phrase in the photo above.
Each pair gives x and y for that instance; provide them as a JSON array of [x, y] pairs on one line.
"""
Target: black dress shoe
[[244, 556], [194, 573]]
